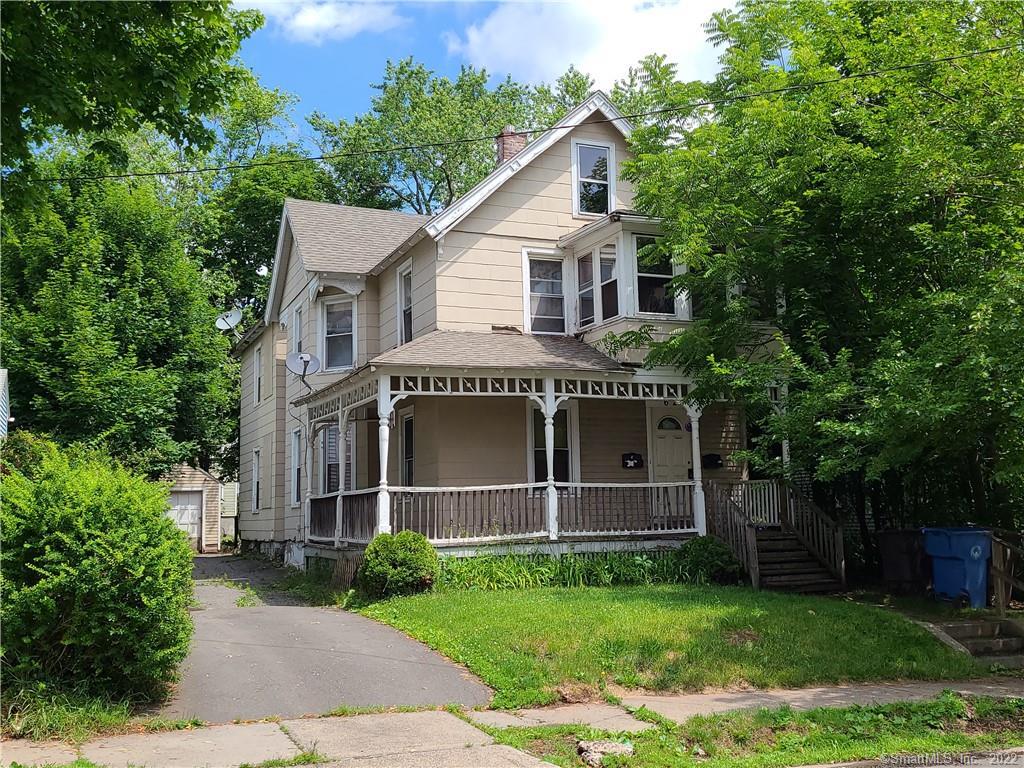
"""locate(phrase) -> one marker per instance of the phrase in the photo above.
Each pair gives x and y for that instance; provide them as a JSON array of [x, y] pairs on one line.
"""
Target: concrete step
[[965, 630], [1007, 661], [982, 646]]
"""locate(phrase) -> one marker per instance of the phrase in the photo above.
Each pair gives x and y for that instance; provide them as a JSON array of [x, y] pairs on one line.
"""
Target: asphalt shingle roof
[[465, 349], [344, 238]]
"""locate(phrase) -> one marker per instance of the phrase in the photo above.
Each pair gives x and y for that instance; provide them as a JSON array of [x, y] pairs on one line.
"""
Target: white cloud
[[537, 41], [315, 22]]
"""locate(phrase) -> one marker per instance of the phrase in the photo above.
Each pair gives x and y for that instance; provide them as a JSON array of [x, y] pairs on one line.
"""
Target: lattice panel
[[619, 390], [332, 406]]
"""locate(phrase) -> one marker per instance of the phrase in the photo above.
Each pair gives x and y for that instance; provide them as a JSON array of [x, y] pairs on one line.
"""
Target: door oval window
[[670, 424]]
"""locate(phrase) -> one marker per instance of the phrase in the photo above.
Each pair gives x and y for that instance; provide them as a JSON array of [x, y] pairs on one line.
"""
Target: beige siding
[[608, 429], [424, 308], [259, 426], [183, 477], [722, 431], [480, 262]]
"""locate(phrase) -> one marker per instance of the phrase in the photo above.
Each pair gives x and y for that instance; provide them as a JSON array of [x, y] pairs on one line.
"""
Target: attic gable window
[[593, 165]]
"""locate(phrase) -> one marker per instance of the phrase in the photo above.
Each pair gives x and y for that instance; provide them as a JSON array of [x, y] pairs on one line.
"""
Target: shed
[[195, 505]]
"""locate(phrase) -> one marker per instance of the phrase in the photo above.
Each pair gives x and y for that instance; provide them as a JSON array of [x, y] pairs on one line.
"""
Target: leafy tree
[[415, 107], [110, 324], [888, 213], [92, 67]]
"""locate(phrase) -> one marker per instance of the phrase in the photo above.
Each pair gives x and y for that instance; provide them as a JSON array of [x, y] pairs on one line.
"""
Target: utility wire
[[477, 139]]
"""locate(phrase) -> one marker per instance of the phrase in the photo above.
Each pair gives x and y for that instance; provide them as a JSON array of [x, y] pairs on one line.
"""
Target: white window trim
[[681, 301], [296, 467], [256, 472], [322, 329], [405, 269], [612, 173], [568, 288], [572, 407], [404, 415], [257, 374]]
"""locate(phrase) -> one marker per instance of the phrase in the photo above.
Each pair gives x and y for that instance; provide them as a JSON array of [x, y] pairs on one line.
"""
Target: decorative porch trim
[[358, 394], [620, 390]]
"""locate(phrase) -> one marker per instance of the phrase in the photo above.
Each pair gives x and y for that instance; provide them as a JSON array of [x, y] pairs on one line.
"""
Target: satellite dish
[[302, 363], [229, 319]]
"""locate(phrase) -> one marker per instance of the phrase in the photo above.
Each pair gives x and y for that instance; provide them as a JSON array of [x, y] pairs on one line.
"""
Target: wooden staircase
[[782, 539], [784, 563]]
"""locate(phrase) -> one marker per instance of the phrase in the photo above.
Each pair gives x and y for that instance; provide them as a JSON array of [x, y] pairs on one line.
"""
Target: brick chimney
[[510, 143]]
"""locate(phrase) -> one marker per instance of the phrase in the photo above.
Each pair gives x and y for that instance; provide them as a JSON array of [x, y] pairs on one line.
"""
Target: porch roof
[[468, 349]]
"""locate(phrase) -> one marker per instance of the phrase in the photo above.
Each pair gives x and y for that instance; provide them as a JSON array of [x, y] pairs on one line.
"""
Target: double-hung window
[[256, 480], [653, 278], [546, 295], [563, 464], [593, 180], [297, 329], [330, 479], [405, 304], [609, 282], [408, 447], [339, 342], [585, 289], [257, 375], [296, 466]]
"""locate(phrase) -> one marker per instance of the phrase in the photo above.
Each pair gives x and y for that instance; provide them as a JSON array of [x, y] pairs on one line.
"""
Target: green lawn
[[525, 644], [769, 738]]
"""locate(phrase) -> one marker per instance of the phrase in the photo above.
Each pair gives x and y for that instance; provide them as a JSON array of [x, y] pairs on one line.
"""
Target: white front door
[[671, 459], [186, 510]]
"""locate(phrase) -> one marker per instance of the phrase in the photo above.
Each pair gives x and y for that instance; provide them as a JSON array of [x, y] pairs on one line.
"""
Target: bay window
[[339, 341], [585, 289], [609, 282], [653, 278]]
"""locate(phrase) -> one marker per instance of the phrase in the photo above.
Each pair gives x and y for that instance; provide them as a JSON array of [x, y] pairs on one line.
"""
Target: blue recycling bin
[[959, 562]]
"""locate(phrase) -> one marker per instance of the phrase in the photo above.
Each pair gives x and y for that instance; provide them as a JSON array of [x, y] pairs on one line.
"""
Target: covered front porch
[[480, 457]]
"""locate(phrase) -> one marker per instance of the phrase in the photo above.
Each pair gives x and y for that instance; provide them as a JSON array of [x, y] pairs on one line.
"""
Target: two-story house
[[462, 390]]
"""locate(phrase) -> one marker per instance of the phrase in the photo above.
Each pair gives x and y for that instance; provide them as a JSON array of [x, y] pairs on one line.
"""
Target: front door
[[671, 462]]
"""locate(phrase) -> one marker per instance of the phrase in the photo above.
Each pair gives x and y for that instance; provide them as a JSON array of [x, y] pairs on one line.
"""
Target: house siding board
[[424, 312], [722, 431], [608, 429], [481, 441]]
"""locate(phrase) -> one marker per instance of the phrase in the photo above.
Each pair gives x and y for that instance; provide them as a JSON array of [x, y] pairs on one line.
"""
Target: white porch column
[[342, 459], [384, 409], [307, 495], [550, 407], [699, 512]]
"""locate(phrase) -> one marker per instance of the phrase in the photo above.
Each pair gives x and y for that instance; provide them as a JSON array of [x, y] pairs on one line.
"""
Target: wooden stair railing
[[728, 522], [817, 531], [1007, 558]]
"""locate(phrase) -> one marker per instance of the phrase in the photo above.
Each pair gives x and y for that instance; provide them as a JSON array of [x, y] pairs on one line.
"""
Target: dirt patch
[[743, 637], [577, 693]]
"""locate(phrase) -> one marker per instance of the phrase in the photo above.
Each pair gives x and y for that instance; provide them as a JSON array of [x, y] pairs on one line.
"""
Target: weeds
[[516, 571], [309, 757]]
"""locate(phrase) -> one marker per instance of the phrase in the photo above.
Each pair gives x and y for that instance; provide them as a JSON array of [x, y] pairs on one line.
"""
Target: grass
[[309, 757], [528, 644], [768, 738], [75, 716], [249, 597], [313, 587]]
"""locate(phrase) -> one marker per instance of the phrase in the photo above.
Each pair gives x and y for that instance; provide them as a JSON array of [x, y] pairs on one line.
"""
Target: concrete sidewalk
[[408, 740]]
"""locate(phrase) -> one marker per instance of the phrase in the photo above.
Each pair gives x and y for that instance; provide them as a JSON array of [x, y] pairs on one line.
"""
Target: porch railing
[[625, 509], [471, 514], [816, 530], [760, 500], [323, 517], [728, 521], [358, 515]]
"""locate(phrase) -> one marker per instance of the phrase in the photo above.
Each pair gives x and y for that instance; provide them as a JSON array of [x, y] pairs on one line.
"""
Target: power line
[[478, 139]]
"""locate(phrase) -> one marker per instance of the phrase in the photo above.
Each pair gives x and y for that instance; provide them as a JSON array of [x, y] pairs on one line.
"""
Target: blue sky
[[329, 53]]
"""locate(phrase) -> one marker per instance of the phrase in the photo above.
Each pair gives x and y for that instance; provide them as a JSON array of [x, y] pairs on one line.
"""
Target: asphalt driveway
[[289, 660]]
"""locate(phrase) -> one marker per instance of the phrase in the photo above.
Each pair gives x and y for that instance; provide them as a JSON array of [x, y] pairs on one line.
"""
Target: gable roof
[[469, 349], [345, 238], [598, 101]]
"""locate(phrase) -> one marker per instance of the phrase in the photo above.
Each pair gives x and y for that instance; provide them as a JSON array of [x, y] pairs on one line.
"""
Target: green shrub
[[707, 560], [96, 579], [521, 571], [402, 564]]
